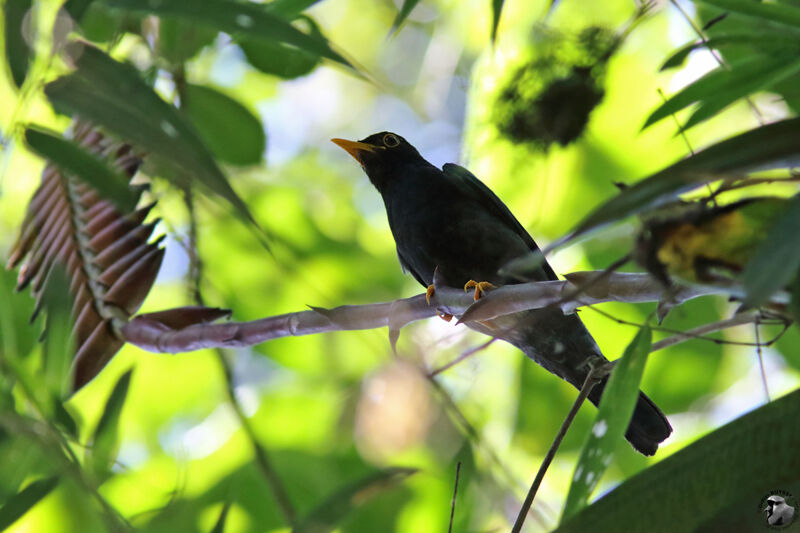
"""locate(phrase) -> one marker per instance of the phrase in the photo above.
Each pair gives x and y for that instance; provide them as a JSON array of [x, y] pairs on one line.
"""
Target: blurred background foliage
[[334, 413]]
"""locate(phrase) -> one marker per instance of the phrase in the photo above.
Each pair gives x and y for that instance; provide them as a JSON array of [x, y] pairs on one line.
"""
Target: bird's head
[[382, 155]]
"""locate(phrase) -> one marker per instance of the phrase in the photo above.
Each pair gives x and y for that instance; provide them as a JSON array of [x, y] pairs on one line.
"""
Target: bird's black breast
[[436, 223]]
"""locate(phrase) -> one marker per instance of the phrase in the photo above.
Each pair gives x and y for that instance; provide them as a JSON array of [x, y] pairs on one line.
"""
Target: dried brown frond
[[105, 253]]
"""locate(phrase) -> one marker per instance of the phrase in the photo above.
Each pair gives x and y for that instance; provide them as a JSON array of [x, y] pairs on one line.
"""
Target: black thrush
[[450, 220]]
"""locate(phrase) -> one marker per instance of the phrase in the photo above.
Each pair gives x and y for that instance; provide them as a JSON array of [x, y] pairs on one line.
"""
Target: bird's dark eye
[[390, 141]]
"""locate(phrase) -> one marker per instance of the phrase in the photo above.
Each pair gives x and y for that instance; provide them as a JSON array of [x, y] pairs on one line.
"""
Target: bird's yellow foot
[[480, 287], [430, 292]]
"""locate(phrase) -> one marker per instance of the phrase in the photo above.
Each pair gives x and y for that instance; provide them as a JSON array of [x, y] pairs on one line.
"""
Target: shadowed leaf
[[18, 53], [778, 12], [22, 502], [219, 527], [612, 419], [402, 15], [776, 42], [497, 9], [106, 436], [59, 344]]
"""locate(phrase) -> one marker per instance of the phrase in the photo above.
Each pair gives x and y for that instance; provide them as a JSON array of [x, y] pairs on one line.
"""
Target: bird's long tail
[[562, 345]]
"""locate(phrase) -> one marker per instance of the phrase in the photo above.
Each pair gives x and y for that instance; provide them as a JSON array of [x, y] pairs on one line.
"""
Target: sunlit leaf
[[778, 42], [236, 18], [713, 484], [106, 435], [228, 128], [772, 146], [219, 527], [16, 16], [402, 15], [17, 336], [613, 416], [114, 96], [329, 513], [22, 502], [497, 9], [73, 160], [777, 261], [721, 87], [777, 12]]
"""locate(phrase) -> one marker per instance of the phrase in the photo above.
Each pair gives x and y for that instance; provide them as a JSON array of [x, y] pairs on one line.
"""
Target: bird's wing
[[484, 195], [406, 266]]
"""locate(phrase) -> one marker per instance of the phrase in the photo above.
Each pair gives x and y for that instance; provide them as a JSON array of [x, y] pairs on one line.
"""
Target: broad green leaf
[[17, 335], [289, 8], [723, 86], [105, 439], [279, 59], [613, 416], [714, 484], [219, 527], [180, 39], [497, 9], [329, 513], [228, 128], [772, 146], [236, 18], [77, 8], [780, 13], [402, 15], [73, 160], [777, 42], [113, 95], [777, 261], [59, 344], [16, 16], [24, 501]]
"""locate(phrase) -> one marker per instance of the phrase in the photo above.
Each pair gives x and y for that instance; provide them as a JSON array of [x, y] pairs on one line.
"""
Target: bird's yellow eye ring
[[390, 141]]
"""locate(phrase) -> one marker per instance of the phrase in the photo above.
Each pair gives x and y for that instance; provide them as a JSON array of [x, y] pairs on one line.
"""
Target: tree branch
[[171, 332]]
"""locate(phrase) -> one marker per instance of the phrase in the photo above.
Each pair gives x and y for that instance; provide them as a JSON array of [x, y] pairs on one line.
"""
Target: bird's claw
[[480, 287], [430, 291]]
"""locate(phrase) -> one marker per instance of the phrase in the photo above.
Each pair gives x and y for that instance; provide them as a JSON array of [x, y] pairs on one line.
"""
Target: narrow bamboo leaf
[[236, 18], [405, 10], [77, 8], [777, 42], [780, 13], [777, 261], [17, 336], [772, 146], [73, 160], [113, 95], [18, 53], [727, 85], [289, 8], [106, 435], [228, 128], [219, 527], [24, 501], [716, 482], [329, 513], [63, 418], [497, 8], [709, 107], [59, 344], [613, 416]]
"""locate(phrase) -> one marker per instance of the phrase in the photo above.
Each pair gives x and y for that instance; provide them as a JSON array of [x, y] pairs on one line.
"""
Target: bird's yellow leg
[[430, 292], [480, 287]]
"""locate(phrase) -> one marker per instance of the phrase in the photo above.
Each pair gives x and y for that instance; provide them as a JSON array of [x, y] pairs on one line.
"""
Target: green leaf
[[17, 335], [330, 512], [18, 53], [77, 8], [113, 95], [105, 439], [776, 12], [777, 42], [497, 9], [289, 8], [279, 59], [59, 344], [22, 502], [402, 15], [235, 18], [228, 128], [74, 160], [714, 484], [723, 86], [772, 146], [613, 416], [777, 261], [219, 527], [180, 39]]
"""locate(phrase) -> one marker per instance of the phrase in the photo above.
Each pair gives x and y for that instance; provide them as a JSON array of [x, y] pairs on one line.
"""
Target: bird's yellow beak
[[355, 148]]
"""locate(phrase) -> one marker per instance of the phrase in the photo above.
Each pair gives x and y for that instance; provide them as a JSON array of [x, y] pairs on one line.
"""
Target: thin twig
[[591, 380], [461, 357], [453, 503], [761, 358]]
